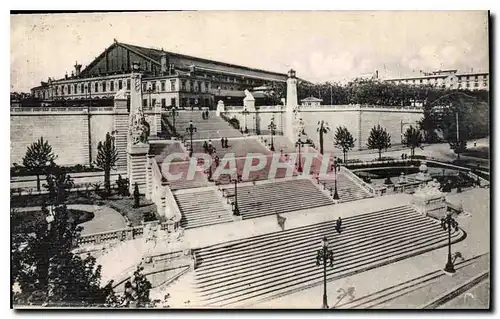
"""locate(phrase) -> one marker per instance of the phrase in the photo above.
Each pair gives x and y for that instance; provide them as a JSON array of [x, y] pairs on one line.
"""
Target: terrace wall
[[67, 131]]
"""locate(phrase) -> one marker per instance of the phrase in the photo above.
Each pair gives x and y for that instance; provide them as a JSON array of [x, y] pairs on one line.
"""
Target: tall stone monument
[[137, 142], [291, 105]]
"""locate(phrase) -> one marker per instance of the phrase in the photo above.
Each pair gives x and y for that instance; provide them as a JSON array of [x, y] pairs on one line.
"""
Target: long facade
[[169, 79], [448, 79]]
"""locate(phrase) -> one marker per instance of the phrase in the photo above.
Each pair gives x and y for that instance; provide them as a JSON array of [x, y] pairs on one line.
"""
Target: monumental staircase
[[202, 208], [252, 270], [277, 197], [212, 128]]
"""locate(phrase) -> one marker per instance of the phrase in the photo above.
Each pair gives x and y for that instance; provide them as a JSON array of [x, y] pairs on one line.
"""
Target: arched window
[[104, 86]]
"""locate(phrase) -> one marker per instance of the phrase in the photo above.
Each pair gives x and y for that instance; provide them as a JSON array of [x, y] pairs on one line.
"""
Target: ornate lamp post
[[236, 180], [272, 127], [323, 256], [336, 194], [245, 112], [173, 110], [299, 143], [190, 129], [447, 223]]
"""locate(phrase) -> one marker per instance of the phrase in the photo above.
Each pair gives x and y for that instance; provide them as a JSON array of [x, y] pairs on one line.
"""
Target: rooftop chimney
[[78, 68]]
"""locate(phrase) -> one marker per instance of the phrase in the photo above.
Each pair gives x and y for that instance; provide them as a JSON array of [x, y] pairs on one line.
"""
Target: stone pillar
[[137, 144], [291, 104], [220, 108], [249, 101], [120, 126], [135, 88], [149, 176], [137, 161], [157, 119]]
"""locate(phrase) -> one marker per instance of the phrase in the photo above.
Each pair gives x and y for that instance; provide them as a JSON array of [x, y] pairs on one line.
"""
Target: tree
[[38, 156], [107, 155], [323, 128], [458, 147], [412, 138], [379, 139], [137, 195], [47, 271], [343, 140]]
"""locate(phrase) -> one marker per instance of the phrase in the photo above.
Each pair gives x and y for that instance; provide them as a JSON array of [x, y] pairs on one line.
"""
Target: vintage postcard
[[250, 160]]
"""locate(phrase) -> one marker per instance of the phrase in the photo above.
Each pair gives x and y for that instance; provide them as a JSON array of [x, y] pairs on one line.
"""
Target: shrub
[[122, 185]]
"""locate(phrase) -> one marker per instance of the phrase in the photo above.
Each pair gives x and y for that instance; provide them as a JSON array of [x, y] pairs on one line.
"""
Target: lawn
[[25, 221], [123, 204]]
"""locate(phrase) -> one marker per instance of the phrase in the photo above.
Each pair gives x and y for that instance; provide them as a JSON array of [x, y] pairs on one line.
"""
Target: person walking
[[222, 142], [205, 146], [225, 142], [338, 225], [217, 161]]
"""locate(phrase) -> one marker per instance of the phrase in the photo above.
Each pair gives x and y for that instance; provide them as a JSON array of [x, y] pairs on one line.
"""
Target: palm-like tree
[[38, 156], [322, 129]]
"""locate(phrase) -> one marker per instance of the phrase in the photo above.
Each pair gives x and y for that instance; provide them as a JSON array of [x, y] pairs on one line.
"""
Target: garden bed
[[145, 212]]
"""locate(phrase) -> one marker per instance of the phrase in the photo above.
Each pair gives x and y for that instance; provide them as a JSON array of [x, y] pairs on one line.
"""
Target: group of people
[[204, 115], [208, 147], [223, 142]]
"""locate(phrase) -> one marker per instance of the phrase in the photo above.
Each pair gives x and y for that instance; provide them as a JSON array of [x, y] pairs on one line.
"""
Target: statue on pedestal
[[138, 127]]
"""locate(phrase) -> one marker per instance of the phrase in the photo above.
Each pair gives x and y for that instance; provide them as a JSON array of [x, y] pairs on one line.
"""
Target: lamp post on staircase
[[190, 129], [323, 256], [272, 127], [173, 110], [236, 210], [245, 112], [299, 143], [447, 223], [336, 194]]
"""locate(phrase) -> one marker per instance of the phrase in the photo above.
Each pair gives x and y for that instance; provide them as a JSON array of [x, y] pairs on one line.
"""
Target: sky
[[320, 45]]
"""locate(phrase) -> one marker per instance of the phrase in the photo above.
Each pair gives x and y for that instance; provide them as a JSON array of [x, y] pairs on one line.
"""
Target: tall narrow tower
[[291, 104]]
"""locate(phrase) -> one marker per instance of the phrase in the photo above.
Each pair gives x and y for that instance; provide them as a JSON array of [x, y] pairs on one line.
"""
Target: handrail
[[361, 182]]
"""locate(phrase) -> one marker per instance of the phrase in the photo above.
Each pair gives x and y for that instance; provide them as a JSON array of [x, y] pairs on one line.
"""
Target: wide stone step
[[272, 264]]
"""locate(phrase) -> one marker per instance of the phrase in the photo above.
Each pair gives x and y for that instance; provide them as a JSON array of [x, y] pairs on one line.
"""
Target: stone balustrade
[[355, 178]]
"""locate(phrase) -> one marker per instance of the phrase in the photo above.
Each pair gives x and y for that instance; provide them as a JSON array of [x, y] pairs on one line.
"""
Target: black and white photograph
[[328, 160]]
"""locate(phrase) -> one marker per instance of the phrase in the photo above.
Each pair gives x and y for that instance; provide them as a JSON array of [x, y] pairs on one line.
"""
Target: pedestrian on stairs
[[225, 142], [338, 225], [205, 146], [222, 142], [206, 114], [217, 160], [203, 115]]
